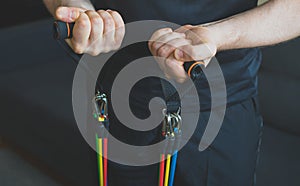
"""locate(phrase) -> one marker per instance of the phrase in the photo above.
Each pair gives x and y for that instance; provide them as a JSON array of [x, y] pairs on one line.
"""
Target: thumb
[[180, 55], [68, 14]]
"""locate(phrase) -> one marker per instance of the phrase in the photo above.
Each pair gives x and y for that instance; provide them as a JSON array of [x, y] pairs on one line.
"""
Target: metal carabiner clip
[[100, 107], [171, 124]]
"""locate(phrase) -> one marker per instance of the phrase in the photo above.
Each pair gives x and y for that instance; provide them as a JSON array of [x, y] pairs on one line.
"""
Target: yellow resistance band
[[167, 170], [100, 161]]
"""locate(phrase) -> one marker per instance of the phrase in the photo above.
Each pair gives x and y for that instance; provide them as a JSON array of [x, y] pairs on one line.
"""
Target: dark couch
[[36, 87], [36, 109]]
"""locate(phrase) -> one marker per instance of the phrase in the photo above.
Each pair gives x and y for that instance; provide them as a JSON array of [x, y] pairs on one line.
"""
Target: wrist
[[223, 35]]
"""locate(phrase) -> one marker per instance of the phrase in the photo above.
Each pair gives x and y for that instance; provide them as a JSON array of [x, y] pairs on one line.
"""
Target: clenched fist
[[94, 32], [188, 43]]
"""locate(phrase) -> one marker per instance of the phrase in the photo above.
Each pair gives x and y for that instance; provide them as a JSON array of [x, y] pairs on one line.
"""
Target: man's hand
[[94, 32], [188, 43]]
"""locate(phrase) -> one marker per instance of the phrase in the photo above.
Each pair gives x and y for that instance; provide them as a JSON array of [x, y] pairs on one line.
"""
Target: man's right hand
[[94, 32]]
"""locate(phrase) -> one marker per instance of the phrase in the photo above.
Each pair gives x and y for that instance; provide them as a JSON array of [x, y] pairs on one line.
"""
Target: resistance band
[[171, 131], [161, 170], [173, 168], [101, 115], [100, 161], [105, 162], [167, 170], [101, 146], [171, 127]]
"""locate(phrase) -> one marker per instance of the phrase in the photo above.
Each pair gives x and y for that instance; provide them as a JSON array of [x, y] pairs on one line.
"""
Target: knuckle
[[155, 33], [78, 50], [95, 20], [116, 45], [89, 12], [189, 33], [106, 49], [77, 47], [94, 52], [118, 39], [82, 23], [188, 26], [114, 13], [163, 52], [165, 30], [162, 31], [109, 22], [156, 45], [177, 34], [118, 18], [100, 11], [107, 18], [186, 50]]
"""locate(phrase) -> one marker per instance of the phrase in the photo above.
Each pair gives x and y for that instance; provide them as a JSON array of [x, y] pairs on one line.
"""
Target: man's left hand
[[188, 43]]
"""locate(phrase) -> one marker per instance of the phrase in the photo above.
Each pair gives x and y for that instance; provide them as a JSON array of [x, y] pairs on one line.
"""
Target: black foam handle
[[194, 69], [62, 30]]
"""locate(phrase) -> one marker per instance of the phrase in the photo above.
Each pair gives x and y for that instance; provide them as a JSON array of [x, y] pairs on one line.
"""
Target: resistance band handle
[[194, 69], [62, 30]]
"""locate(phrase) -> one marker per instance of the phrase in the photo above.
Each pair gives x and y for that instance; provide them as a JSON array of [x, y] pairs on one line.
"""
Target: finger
[[109, 25], [161, 59], [119, 26], [175, 70], [96, 26], [68, 14], [194, 52], [161, 62], [164, 39], [157, 34], [81, 33], [168, 49], [184, 28]]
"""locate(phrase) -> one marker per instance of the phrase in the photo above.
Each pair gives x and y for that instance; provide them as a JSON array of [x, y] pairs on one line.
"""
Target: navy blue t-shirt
[[239, 67]]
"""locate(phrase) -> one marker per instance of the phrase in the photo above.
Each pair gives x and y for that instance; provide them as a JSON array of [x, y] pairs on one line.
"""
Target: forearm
[[271, 23], [53, 4]]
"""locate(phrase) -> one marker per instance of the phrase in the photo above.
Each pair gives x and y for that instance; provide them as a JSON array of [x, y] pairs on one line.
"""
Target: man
[[228, 30]]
